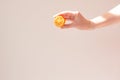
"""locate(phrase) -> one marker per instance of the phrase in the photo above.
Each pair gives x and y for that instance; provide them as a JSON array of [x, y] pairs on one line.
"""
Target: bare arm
[[82, 23], [111, 17]]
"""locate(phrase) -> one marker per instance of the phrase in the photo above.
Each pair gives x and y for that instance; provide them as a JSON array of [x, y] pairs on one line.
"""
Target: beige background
[[32, 48]]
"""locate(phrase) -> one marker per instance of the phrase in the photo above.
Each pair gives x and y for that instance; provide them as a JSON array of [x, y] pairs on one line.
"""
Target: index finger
[[67, 14]]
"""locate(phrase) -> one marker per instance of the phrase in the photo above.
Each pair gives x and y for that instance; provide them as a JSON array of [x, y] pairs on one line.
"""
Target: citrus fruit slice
[[59, 21]]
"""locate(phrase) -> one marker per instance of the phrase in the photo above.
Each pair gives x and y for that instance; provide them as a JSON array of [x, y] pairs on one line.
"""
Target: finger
[[67, 14], [67, 26]]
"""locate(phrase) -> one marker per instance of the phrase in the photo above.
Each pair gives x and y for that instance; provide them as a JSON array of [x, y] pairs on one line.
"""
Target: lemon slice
[[59, 21]]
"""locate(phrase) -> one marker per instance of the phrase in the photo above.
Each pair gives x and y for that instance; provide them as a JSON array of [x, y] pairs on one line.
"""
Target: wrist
[[98, 22], [92, 25]]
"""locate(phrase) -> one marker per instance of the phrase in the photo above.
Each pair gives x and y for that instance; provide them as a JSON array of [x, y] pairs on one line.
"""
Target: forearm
[[105, 20], [111, 17]]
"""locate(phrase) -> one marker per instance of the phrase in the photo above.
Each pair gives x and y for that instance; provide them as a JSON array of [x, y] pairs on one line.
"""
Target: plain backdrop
[[32, 48]]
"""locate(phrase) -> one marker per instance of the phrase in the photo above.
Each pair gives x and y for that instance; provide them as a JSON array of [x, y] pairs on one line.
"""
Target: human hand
[[77, 20]]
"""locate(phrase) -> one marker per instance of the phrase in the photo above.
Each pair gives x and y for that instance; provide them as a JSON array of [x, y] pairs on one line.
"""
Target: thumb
[[67, 26]]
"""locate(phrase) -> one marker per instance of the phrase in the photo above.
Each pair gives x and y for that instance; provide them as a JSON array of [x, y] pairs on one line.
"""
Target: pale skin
[[80, 22]]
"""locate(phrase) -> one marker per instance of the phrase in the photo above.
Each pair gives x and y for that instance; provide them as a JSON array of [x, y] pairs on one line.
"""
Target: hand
[[77, 20]]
